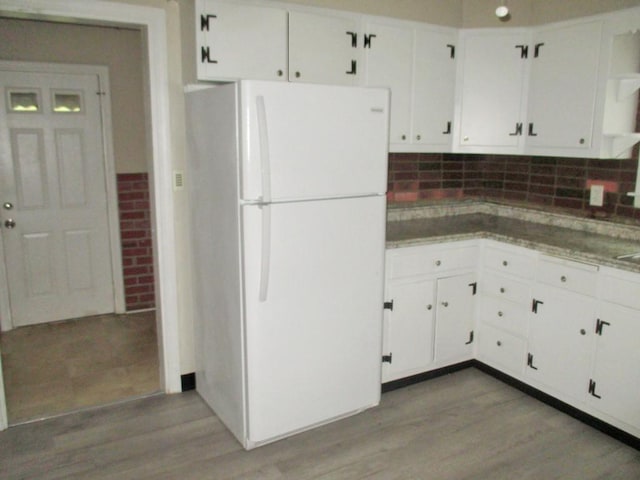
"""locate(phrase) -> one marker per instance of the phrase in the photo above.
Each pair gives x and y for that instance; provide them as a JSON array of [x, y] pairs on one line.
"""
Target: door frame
[[111, 188], [153, 21]]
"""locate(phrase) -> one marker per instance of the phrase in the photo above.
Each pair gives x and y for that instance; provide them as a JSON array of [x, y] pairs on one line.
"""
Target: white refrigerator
[[287, 192]]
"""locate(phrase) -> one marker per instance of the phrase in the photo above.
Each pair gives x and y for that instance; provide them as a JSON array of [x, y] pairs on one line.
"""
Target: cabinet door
[[241, 41], [561, 329], [455, 305], [492, 84], [323, 49], [616, 376], [433, 85], [563, 84], [408, 328], [388, 59]]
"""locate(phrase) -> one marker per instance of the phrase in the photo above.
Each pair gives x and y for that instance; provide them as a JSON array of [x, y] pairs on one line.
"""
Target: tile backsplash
[[543, 181]]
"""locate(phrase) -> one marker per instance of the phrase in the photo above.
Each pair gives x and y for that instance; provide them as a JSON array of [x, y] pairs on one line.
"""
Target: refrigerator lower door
[[313, 341]]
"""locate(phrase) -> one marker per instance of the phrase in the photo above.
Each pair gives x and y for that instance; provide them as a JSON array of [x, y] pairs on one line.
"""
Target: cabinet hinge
[[367, 39], [387, 358], [452, 50], [530, 361], [354, 39], [204, 21], [353, 70], [524, 51], [470, 338], [474, 287], [534, 305], [205, 55], [536, 49], [518, 131], [531, 133], [388, 305], [592, 389], [448, 130], [599, 325]]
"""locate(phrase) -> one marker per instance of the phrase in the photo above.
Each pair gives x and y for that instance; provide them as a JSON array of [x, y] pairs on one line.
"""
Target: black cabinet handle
[[518, 130], [536, 49], [367, 39], [448, 130], [204, 21], [452, 50], [470, 338], [524, 50], [534, 305], [530, 362], [353, 68], [531, 132], [354, 39]]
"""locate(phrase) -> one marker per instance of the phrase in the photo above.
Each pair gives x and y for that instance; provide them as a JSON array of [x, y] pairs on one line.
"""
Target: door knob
[[10, 223], [8, 205]]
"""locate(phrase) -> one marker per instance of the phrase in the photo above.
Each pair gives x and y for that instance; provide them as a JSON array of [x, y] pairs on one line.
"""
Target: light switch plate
[[596, 195]]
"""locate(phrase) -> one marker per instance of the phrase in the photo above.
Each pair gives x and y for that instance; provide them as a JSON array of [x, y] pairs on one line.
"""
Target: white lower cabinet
[[568, 329], [429, 308], [409, 328], [455, 302], [560, 341], [614, 385]]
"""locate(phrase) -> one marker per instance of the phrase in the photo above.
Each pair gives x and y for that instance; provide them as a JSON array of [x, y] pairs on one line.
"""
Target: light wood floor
[[53, 368], [467, 425]]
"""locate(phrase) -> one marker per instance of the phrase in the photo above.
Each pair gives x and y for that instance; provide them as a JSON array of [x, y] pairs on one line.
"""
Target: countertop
[[592, 241]]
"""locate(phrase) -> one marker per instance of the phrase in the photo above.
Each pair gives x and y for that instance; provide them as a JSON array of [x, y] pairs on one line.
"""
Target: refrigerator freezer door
[[313, 345], [302, 141]]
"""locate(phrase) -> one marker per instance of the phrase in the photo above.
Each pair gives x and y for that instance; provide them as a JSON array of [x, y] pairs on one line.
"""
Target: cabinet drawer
[[567, 274], [421, 260], [622, 291], [501, 350], [509, 316], [513, 262], [505, 288]]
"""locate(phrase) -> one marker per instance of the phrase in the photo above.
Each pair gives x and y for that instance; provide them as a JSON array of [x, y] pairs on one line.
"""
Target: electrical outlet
[[596, 195], [178, 180]]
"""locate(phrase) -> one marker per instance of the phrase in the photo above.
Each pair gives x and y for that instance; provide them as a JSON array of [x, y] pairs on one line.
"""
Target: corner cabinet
[[563, 88], [430, 295], [236, 41], [492, 75]]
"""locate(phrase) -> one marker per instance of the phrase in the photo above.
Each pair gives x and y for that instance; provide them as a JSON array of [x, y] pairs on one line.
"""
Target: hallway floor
[[64, 366]]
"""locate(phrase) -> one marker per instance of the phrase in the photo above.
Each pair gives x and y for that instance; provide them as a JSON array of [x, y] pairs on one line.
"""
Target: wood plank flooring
[[466, 425]]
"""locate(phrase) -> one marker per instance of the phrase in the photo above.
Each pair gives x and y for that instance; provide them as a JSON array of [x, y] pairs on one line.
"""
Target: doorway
[[152, 23]]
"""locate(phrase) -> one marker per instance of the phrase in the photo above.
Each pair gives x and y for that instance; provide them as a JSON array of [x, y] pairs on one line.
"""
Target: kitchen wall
[[536, 181]]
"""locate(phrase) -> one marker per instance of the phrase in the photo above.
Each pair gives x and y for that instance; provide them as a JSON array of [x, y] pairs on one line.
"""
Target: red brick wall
[[136, 242], [558, 182]]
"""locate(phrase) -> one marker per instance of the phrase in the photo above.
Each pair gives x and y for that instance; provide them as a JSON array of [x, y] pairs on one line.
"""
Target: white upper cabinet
[[490, 94], [434, 76], [418, 65], [563, 88], [236, 41], [323, 48], [389, 58]]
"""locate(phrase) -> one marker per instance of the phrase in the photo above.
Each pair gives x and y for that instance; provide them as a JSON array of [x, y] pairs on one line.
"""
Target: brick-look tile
[[136, 240]]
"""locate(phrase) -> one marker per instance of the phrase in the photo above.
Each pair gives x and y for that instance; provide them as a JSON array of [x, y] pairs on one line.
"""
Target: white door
[[55, 232], [313, 345]]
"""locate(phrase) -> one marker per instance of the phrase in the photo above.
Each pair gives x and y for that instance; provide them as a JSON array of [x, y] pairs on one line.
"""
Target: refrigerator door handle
[[265, 252], [263, 135]]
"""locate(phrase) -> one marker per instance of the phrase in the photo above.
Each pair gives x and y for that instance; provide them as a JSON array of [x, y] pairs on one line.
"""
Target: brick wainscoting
[[548, 181], [137, 245]]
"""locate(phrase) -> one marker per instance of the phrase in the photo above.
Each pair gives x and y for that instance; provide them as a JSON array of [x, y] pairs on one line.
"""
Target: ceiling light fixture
[[502, 12]]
